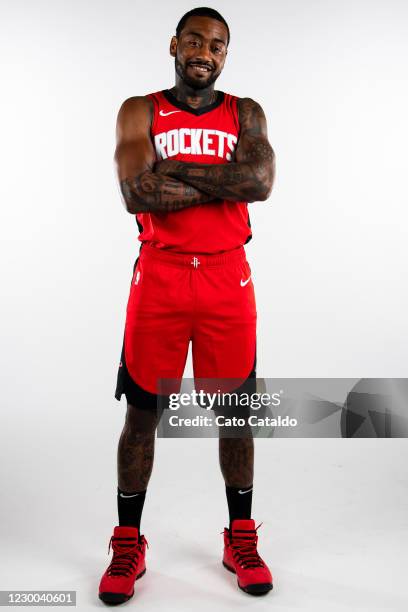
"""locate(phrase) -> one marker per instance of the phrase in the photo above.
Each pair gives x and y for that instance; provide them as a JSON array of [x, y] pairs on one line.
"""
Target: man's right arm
[[144, 190]]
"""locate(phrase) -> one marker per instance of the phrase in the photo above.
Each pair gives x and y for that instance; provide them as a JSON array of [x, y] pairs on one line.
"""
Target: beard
[[195, 83]]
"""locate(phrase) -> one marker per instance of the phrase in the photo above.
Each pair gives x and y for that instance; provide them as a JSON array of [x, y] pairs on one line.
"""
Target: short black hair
[[202, 11]]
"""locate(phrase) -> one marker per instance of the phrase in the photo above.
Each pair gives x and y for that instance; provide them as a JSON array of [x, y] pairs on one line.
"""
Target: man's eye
[[218, 50], [193, 42]]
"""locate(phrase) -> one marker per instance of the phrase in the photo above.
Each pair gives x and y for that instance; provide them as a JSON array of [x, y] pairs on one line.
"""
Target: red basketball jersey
[[206, 135]]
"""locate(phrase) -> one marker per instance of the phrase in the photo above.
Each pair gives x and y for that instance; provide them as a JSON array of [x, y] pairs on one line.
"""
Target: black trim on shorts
[[135, 395]]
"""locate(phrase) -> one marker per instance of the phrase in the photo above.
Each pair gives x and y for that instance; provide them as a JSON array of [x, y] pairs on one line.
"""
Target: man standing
[[189, 160]]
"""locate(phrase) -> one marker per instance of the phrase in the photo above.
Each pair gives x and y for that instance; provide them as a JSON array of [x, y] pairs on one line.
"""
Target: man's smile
[[199, 67]]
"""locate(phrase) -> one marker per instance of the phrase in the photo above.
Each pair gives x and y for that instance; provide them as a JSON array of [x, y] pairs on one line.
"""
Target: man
[[189, 160]]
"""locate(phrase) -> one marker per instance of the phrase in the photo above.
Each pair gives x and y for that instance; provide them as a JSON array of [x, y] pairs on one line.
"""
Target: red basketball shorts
[[176, 298]]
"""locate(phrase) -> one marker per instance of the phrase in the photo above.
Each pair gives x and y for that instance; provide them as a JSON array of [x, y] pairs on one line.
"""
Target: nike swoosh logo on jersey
[[243, 283], [123, 495], [243, 492], [163, 114]]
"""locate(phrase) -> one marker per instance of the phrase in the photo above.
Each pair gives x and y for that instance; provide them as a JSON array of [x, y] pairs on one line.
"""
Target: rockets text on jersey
[[195, 141]]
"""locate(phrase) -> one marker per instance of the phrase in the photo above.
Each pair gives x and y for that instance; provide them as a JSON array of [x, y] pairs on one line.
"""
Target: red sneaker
[[127, 565], [242, 558]]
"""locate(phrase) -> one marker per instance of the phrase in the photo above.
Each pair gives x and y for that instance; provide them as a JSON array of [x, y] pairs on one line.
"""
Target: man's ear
[[173, 46]]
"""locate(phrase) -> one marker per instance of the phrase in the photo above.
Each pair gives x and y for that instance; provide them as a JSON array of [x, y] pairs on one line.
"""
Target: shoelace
[[244, 548], [126, 553]]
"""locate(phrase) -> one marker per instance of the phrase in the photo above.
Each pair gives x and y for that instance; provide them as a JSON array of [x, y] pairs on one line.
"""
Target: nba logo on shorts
[[137, 277]]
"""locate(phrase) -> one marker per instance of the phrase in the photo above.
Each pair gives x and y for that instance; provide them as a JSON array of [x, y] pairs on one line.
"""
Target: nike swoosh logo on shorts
[[243, 492], [122, 495], [163, 114], [243, 283]]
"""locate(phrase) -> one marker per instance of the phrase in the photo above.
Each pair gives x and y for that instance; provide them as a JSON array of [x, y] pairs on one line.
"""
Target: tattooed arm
[[249, 177], [144, 190]]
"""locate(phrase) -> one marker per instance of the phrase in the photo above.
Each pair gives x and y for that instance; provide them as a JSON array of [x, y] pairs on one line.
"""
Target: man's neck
[[196, 98]]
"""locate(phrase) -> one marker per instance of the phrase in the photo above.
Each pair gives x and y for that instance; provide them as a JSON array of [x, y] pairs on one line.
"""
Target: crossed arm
[[143, 189], [249, 177], [171, 185]]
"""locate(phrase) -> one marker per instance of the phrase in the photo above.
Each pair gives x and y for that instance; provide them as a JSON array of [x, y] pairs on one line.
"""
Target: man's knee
[[140, 422]]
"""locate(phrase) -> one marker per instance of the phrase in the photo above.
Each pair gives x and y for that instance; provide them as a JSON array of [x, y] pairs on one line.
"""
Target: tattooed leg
[[237, 461], [136, 449]]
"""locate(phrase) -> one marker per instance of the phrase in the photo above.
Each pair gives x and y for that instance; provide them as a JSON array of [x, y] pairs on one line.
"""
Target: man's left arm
[[249, 177]]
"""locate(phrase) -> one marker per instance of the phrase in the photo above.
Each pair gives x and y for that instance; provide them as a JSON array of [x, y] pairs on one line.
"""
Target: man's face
[[200, 51]]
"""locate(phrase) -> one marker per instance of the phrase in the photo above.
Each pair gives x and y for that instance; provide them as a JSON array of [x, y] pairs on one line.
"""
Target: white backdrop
[[329, 253]]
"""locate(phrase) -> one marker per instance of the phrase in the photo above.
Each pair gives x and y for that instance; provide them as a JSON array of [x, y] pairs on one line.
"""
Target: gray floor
[[334, 512]]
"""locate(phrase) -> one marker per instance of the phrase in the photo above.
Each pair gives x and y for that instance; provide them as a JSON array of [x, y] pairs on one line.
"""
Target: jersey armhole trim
[[153, 97], [235, 112]]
